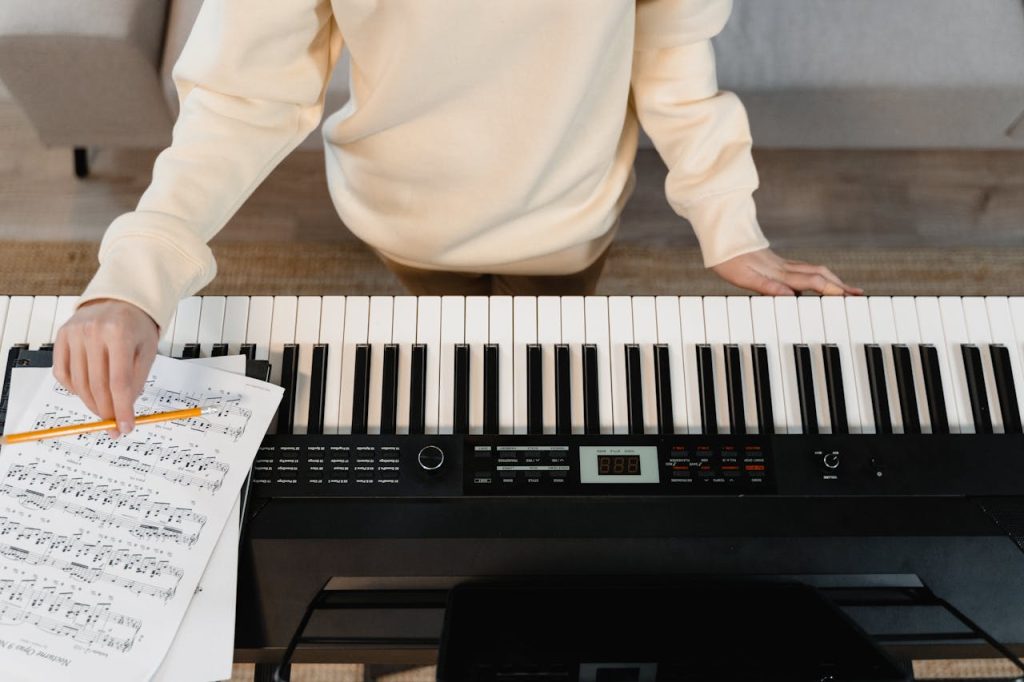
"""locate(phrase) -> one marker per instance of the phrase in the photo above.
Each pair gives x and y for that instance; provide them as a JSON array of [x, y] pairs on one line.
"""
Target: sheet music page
[[103, 542]]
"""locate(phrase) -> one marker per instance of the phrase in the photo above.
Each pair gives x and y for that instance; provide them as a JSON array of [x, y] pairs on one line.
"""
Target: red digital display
[[618, 465]]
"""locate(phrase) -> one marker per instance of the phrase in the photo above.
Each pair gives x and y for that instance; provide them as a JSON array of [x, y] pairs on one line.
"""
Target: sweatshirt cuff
[[726, 226], [152, 266]]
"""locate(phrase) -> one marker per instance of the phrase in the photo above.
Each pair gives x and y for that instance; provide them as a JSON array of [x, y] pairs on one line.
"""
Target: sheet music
[[103, 542]]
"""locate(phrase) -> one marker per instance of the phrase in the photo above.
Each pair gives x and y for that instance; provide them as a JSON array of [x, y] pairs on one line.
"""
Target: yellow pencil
[[75, 429]]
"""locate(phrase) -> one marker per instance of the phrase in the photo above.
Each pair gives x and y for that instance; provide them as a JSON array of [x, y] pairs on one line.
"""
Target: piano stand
[[644, 628]]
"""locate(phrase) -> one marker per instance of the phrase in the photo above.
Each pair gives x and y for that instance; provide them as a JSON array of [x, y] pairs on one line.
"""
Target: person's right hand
[[103, 354]]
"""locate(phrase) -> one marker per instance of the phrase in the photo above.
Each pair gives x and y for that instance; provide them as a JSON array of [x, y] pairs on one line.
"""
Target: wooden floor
[[807, 198]]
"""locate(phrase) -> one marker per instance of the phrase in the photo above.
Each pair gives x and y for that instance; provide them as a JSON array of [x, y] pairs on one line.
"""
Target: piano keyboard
[[605, 365]]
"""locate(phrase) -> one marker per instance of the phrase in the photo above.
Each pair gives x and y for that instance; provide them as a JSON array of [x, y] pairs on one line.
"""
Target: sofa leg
[[81, 162]]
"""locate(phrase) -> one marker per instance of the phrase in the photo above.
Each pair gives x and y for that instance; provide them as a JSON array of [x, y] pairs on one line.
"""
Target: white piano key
[[691, 327], [500, 333], [453, 331], [954, 327], [549, 333], [741, 333], [908, 332], [19, 312], [186, 324], [645, 333], [833, 312], [382, 313], [524, 333], [787, 321], [357, 320], [1000, 319], [716, 327], [574, 334], [669, 335], [211, 324], [307, 335], [261, 314], [477, 335], [65, 309], [282, 331], [1016, 304], [332, 334], [762, 315], [858, 319], [404, 335], [40, 323], [428, 333], [596, 314], [980, 334], [883, 325], [620, 333], [929, 319], [236, 321], [812, 331]]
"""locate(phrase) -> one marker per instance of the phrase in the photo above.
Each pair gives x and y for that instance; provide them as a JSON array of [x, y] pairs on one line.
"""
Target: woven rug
[[307, 268]]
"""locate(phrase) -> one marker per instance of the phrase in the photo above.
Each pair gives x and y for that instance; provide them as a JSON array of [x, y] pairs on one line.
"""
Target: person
[[483, 142]]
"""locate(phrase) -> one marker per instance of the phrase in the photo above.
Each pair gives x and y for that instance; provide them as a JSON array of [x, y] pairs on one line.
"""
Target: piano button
[[460, 406], [902, 360], [190, 351], [663, 388], [879, 391], [805, 384], [763, 390], [563, 390], [289, 381], [248, 350], [389, 390], [1002, 369], [634, 389], [591, 394], [219, 350], [534, 389], [933, 389], [492, 394], [976, 391], [835, 387], [706, 381], [734, 384], [361, 389], [317, 389], [418, 389]]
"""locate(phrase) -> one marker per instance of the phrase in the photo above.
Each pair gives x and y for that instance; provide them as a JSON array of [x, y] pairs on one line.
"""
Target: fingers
[[762, 284], [80, 375], [122, 391], [809, 269], [99, 379], [62, 360], [812, 282]]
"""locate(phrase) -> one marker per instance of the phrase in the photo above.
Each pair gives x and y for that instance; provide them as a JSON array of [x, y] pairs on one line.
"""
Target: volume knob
[[431, 458]]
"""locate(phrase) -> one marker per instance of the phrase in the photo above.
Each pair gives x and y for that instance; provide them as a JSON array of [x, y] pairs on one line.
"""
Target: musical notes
[[103, 541]]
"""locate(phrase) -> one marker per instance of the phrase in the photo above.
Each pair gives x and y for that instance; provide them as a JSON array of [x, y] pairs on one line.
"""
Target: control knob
[[430, 458]]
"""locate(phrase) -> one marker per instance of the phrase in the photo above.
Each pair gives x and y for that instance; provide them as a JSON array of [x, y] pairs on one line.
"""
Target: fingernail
[[124, 427]]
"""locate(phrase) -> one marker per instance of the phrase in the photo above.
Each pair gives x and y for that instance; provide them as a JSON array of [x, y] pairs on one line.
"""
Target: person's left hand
[[768, 273]]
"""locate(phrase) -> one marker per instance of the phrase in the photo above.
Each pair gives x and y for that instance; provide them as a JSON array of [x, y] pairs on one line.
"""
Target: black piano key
[[591, 395], [834, 386], [933, 389], [534, 389], [905, 387], [389, 390], [763, 390], [563, 390], [879, 392], [976, 388], [491, 388], [706, 379], [1008, 405], [418, 389], [663, 386], [317, 389], [190, 351], [219, 350], [361, 389], [634, 390], [734, 382], [289, 382], [46, 346], [460, 414], [248, 350], [805, 387]]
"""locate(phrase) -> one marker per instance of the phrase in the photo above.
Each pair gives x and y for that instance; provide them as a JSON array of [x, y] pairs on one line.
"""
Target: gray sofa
[[813, 73]]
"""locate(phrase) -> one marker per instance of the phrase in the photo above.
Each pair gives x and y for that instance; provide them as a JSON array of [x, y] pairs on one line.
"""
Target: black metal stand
[[81, 156]]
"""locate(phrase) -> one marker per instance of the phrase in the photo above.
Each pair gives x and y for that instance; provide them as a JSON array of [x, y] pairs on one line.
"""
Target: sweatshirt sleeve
[[251, 81], [701, 133]]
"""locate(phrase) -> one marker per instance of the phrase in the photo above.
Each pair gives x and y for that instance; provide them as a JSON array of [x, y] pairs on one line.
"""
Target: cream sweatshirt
[[480, 135]]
